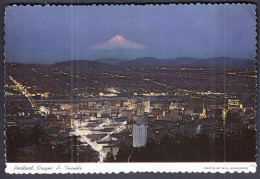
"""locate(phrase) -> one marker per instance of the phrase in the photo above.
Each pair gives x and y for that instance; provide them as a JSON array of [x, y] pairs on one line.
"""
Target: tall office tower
[[196, 104], [139, 134], [140, 109], [128, 105], [234, 104], [146, 105]]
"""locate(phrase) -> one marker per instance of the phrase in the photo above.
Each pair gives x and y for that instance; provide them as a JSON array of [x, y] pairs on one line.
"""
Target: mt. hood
[[118, 42]]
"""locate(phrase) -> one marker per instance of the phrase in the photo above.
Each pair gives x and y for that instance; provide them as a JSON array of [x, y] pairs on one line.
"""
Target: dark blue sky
[[57, 33]]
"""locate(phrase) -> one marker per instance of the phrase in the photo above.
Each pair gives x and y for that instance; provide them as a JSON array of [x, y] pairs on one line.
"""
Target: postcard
[[130, 88]]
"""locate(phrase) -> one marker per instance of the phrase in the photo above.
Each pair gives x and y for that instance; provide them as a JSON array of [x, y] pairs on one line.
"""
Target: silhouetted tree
[[109, 157], [237, 146]]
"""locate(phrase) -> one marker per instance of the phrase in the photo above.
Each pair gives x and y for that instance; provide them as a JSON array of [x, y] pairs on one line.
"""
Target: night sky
[[36, 34]]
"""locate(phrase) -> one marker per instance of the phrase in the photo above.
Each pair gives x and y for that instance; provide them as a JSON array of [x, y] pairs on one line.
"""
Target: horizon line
[[124, 60]]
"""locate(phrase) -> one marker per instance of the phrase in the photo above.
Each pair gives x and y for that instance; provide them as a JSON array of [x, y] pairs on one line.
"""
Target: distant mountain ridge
[[112, 61], [150, 62], [83, 64], [219, 62]]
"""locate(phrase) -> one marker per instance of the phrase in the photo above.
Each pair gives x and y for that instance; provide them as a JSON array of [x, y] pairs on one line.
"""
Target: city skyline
[[168, 31]]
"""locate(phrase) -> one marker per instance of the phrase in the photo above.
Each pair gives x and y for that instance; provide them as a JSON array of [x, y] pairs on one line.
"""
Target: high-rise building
[[139, 134], [234, 104], [176, 114], [146, 106], [196, 104], [128, 105], [140, 109]]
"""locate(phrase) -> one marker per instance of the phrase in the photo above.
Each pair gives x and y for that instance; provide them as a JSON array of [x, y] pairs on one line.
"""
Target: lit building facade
[[139, 134]]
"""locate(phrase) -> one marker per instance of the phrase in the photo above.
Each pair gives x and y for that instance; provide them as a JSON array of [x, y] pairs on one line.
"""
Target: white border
[[193, 167]]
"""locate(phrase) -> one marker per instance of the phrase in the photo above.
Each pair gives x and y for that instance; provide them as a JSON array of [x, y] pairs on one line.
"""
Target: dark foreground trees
[[34, 145], [239, 146], [236, 146]]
